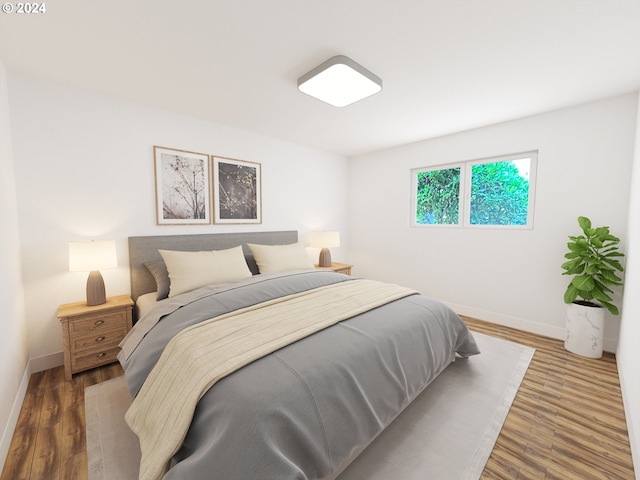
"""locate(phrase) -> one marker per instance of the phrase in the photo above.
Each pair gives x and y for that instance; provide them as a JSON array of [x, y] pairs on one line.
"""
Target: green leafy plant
[[438, 196], [499, 195], [592, 259]]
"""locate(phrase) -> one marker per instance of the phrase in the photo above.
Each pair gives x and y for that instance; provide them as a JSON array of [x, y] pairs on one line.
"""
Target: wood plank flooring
[[567, 420]]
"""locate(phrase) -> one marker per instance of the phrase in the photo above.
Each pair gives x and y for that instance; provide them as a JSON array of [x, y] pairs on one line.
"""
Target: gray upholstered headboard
[[145, 249]]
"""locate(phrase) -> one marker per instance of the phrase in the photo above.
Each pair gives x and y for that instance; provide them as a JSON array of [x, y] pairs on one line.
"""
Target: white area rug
[[447, 433]]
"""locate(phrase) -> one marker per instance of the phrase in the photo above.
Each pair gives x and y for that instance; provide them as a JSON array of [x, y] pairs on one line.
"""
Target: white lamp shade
[[325, 239], [93, 255], [340, 82]]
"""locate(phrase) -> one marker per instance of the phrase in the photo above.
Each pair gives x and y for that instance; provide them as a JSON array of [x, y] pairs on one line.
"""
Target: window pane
[[500, 193], [438, 196]]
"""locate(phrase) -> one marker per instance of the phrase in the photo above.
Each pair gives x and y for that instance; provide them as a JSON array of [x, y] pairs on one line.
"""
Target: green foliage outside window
[[438, 197], [499, 195]]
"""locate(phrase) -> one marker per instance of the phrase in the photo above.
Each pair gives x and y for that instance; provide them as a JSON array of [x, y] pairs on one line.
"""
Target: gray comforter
[[305, 410]]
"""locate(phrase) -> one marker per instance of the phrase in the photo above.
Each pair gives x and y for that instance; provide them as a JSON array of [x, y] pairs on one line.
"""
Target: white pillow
[[191, 270], [277, 258]]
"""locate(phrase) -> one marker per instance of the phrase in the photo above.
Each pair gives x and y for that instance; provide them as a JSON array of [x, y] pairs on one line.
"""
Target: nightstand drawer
[[94, 359], [344, 268], [98, 340], [95, 323]]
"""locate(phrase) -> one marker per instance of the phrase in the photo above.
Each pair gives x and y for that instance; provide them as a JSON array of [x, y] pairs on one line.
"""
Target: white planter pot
[[585, 330]]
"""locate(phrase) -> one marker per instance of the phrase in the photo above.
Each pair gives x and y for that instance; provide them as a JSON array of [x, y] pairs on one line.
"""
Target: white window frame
[[465, 191]]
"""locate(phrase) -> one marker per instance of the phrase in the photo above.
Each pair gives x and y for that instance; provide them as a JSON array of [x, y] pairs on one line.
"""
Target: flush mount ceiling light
[[340, 82]]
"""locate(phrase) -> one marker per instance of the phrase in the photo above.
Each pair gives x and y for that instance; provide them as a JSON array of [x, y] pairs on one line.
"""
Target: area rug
[[447, 433]]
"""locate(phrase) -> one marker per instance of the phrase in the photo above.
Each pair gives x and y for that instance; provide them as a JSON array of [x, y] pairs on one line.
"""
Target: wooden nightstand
[[337, 267], [91, 335]]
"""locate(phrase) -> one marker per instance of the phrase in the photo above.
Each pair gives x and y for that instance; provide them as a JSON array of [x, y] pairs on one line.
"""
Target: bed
[[277, 372]]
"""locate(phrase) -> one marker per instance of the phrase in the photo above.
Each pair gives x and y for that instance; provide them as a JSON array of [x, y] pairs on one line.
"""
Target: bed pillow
[[160, 274], [191, 270], [277, 258]]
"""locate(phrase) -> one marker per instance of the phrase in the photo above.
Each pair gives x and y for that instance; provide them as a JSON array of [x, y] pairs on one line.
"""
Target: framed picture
[[237, 191], [183, 192]]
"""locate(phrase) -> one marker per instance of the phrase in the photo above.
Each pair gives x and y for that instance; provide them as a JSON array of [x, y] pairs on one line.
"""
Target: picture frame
[[237, 191], [183, 187]]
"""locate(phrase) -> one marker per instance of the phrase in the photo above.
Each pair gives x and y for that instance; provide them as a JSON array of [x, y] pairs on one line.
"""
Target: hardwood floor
[[566, 422], [49, 441]]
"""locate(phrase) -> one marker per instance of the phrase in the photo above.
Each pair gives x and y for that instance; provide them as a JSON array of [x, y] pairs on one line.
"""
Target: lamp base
[[95, 289], [325, 258]]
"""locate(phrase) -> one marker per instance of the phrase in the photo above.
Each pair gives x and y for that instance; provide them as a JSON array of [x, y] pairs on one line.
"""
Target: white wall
[[13, 340], [511, 277], [84, 169], [628, 355]]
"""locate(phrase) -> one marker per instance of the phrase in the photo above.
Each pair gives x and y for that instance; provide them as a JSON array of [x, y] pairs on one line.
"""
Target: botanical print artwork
[[237, 191], [182, 187]]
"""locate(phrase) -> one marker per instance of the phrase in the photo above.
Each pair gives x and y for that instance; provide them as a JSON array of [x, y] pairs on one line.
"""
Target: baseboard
[[46, 362], [610, 344], [12, 421]]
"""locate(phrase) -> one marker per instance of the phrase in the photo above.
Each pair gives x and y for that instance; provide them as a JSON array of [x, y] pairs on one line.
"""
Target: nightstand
[[90, 335], [337, 267]]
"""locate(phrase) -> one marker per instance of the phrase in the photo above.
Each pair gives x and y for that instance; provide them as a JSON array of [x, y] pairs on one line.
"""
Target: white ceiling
[[447, 65]]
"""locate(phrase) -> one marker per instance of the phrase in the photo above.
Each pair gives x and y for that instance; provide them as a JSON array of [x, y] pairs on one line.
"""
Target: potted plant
[[593, 261]]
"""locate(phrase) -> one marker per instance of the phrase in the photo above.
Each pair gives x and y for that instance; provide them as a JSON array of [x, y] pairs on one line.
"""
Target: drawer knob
[[99, 339], [100, 355], [99, 322]]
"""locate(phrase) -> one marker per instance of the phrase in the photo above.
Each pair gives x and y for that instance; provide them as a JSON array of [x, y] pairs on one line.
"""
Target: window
[[496, 192], [438, 196]]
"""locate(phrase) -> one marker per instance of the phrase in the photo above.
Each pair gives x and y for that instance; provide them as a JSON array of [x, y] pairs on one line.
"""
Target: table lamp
[[325, 240], [93, 256]]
